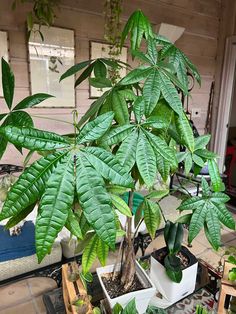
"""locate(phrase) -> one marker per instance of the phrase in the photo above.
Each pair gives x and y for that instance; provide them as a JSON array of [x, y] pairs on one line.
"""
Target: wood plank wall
[[199, 41]]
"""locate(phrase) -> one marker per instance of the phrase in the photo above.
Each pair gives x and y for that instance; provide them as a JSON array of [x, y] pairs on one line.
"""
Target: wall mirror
[[49, 58]]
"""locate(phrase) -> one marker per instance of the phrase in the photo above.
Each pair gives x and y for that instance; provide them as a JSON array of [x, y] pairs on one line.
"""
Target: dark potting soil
[[184, 260], [114, 287]]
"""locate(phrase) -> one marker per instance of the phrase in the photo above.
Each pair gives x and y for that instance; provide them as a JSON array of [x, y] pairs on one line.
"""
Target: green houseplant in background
[[129, 137]]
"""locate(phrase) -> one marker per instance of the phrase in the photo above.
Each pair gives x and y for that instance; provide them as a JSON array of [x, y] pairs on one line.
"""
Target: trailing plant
[[129, 138], [43, 13], [16, 116], [173, 235]]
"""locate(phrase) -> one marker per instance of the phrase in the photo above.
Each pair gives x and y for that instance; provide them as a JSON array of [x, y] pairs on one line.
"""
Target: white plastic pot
[[170, 290], [142, 297]]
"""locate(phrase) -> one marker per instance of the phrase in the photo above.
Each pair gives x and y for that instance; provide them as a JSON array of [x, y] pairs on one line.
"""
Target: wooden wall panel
[[199, 41]]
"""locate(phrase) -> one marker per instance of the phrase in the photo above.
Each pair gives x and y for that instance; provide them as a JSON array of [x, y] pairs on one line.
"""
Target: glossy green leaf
[[85, 74], [127, 151], [146, 160], [19, 217], [32, 101], [30, 185], [216, 181], [34, 139], [173, 268], [120, 107], [100, 69], [95, 128], [100, 82], [139, 108], [170, 94], [188, 163], [152, 217], [8, 83], [206, 154], [151, 92], [89, 254], [74, 69], [118, 134], [108, 166], [198, 160], [202, 141], [19, 118], [95, 201], [121, 205], [136, 75], [102, 252], [185, 131], [72, 224], [157, 194], [54, 206], [197, 222]]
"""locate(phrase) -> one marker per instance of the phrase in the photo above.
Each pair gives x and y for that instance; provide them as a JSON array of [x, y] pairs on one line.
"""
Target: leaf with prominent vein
[[102, 252], [120, 205], [202, 141], [34, 139], [185, 131], [191, 203], [213, 227], [54, 206], [75, 68], [72, 224], [152, 217], [204, 153], [170, 94], [8, 83], [216, 181], [30, 185], [136, 75], [146, 160], [19, 217], [32, 101], [127, 151], [163, 166], [108, 166], [96, 128], [117, 134], [197, 221], [120, 107], [19, 118], [139, 108], [89, 254], [95, 201], [151, 92]]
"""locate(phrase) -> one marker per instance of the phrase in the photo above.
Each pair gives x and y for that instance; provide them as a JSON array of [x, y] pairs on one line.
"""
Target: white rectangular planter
[[142, 297], [170, 290]]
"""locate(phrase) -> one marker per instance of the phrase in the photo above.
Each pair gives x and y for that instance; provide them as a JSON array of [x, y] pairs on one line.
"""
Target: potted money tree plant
[[128, 138]]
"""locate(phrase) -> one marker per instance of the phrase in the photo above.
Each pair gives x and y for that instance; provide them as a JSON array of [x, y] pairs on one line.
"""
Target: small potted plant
[[174, 267]]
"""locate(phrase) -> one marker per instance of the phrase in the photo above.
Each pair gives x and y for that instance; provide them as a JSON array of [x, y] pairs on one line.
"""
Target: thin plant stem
[[52, 119]]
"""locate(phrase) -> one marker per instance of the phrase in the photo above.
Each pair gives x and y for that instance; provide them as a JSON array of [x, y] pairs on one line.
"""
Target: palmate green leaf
[[157, 194], [120, 107], [170, 94], [191, 203], [161, 147], [130, 308], [3, 145], [2, 116], [188, 163], [139, 26], [151, 92], [34, 139], [72, 224], [213, 227], [139, 108], [197, 221], [19, 217], [19, 118], [146, 160], [95, 201], [30, 185], [202, 141], [102, 252], [75, 68], [95, 128], [108, 166], [152, 50], [100, 69], [32, 101], [94, 108], [100, 82], [206, 191], [127, 151], [54, 206], [173, 268], [224, 215], [206, 154], [136, 75], [8, 83], [117, 134], [152, 217], [185, 131], [198, 160], [121, 205], [216, 181], [163, 166], [85, 74], [89, 254]]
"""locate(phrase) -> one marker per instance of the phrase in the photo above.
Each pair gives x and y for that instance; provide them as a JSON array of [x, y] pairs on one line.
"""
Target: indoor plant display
[[174, 267], [128, 138]]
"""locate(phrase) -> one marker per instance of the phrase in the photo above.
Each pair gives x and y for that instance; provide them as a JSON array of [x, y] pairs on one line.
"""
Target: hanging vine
[[112, 32], [42, 13]]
